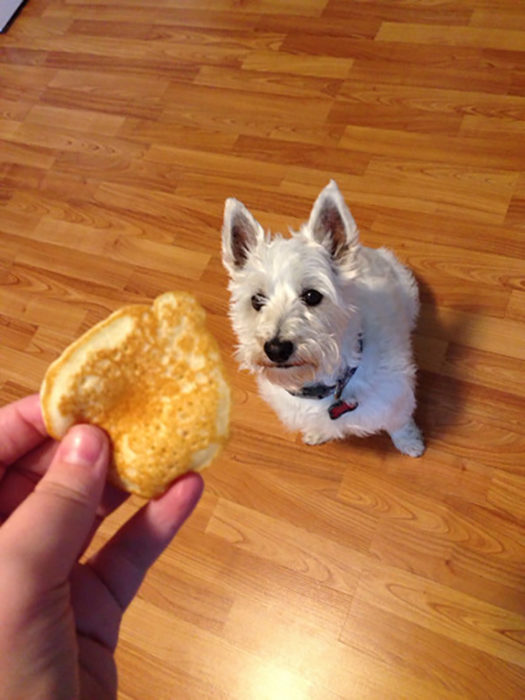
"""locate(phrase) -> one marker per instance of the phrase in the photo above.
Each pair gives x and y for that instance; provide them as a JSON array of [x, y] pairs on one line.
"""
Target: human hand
[[59, 619]]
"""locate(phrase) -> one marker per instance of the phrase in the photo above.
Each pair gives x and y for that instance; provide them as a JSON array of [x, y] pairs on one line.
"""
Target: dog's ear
[[240, 235], [332, 224]]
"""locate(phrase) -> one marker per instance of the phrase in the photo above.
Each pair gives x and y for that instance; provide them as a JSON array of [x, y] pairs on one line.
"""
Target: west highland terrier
[[325, 324]]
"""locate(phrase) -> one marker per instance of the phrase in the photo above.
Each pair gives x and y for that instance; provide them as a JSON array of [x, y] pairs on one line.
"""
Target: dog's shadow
[[441, 396]]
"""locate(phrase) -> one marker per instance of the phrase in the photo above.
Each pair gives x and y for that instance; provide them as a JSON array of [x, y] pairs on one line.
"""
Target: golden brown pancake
[[152, 378]]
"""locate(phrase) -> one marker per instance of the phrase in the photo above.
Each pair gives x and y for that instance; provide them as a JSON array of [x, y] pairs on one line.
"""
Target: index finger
[[21, 429]]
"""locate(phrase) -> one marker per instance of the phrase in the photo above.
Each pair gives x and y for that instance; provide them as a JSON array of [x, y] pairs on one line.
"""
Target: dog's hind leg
[[409, 439]]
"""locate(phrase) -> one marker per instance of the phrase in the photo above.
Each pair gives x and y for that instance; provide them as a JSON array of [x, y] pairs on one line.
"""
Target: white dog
[[325, 324]]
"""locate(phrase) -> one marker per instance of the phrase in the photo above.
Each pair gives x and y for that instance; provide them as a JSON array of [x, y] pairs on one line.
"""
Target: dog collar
[[321, 391]]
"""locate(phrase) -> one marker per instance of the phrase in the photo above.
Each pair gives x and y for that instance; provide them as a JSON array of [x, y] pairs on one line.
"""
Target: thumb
[[49, 529]]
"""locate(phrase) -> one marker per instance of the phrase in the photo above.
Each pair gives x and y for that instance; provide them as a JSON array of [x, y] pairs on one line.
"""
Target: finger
[[22, 429], [123, 562], [23, 476], [39, 459], [18, 484], [50, 527]]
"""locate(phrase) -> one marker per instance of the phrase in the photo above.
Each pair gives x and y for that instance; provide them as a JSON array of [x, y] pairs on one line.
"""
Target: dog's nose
[[278, 350]]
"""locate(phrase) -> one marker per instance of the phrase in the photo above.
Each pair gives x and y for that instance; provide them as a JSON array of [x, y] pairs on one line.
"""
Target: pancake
[[152, 378]]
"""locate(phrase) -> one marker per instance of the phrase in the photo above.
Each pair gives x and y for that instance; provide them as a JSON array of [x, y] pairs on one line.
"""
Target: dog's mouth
[[289, 375], [282, 365]]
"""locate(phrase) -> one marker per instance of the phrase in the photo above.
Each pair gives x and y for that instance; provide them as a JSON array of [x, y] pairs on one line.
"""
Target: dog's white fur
[[365, 291]]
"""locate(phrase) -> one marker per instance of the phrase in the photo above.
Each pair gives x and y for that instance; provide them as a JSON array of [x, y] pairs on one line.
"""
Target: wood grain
[[345, 570]]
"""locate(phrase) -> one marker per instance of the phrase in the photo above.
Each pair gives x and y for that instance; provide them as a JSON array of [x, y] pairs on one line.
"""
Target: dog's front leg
[[409, 439]]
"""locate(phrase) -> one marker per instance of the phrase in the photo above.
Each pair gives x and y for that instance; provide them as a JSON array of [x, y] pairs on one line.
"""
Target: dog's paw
[[409, 440], [313, 438], [413, 448]]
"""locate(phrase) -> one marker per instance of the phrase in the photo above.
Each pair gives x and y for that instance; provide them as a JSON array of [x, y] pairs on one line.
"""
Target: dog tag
[[339, 408]]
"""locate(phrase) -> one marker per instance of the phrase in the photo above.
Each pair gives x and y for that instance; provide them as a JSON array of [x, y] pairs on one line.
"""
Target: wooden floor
[[346, 570]]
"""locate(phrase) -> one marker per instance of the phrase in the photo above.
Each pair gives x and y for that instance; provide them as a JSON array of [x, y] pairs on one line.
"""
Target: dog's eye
[[312, 297], [258, 301]]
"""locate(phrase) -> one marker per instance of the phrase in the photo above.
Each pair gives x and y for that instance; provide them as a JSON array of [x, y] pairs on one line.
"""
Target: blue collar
[[321, 391]]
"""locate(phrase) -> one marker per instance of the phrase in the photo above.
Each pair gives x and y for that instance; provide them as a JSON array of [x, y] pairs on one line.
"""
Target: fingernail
[[83, 445]]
